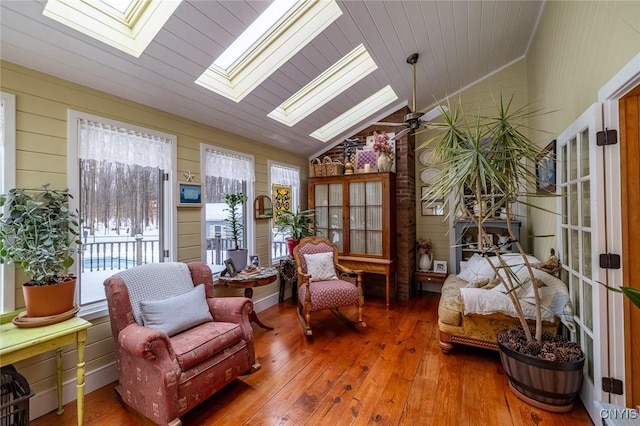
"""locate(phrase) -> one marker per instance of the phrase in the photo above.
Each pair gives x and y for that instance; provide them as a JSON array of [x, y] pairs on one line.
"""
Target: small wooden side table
[[17, 344], [430, 277], [264, 277]]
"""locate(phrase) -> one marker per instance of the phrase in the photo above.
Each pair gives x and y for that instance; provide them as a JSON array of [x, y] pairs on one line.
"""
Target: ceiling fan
[[415, 119]]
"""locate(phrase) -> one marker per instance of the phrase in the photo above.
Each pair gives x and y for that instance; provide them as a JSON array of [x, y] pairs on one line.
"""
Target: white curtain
[[227, 165], [283, 175], [103, 142]]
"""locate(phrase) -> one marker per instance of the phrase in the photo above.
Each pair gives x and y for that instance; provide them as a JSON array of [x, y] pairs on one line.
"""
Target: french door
[[581, 184]]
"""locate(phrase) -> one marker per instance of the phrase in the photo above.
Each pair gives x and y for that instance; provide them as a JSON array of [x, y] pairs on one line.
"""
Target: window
[[121, 174], [7, 181], [285, 194], [225, 172]]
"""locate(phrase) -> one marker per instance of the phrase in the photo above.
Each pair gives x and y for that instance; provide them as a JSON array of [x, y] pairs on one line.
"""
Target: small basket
[[326, 165], [14, 397], [318, 168], [334, 169]]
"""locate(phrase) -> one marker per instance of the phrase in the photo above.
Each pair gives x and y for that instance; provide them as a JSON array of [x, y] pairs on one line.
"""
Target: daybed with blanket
[[474, 307]]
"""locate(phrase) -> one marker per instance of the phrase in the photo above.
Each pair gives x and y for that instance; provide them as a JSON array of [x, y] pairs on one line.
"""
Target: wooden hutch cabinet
[[358, 214]]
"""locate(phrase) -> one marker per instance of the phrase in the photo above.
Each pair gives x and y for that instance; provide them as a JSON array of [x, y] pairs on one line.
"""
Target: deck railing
[[118, 255]]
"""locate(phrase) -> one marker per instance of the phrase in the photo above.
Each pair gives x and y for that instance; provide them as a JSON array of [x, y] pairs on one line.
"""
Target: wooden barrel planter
[[548, 385]]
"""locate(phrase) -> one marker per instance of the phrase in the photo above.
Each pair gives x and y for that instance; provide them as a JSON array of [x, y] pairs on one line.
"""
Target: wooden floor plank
[[389, 373]]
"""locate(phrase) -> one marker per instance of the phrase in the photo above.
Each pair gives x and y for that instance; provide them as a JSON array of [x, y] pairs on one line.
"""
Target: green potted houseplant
[[492, 155], [296, 226], [39, 234], [238, 255]]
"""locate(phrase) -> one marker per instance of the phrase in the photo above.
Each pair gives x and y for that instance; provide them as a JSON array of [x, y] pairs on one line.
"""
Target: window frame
[[247, 212], [7, 181], [295, 201], [99, 309]]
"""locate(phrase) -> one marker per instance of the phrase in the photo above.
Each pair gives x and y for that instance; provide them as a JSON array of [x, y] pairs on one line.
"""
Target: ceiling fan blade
[[401, 133], [434, 113], [387, 123]]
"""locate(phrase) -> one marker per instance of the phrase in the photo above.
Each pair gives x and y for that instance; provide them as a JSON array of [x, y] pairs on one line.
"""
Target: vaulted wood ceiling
[[459, 42]]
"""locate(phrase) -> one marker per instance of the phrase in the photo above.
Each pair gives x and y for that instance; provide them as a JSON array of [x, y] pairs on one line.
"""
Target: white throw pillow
[[177, 313], [320, 266], [477, 268]]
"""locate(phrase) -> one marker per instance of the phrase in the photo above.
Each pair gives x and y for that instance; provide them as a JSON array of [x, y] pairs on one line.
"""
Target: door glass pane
[[588, 349], [374, 242], [357, 219], [575, 251], [588, 305], [357, 194], [565, 206], [586, 254], [357, 242], [573, 159], [584, 153], [586, 203], [573, 203], [563, 168], [374, 193], [565, 244], [575, 294], [335, 217], [335, 236], [322, 195], [374, 218], [322, 217], [335, 194]]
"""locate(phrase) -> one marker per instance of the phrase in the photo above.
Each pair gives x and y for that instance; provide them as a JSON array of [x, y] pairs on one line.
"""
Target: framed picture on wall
[[546, 170], [190, 194]]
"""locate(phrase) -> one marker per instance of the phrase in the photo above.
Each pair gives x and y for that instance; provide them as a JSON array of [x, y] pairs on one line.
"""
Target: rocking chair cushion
[[320, 266], [329, 294]]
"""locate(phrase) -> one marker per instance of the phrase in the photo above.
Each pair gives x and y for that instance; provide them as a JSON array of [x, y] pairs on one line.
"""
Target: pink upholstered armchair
[[325, 284], [175, 344]]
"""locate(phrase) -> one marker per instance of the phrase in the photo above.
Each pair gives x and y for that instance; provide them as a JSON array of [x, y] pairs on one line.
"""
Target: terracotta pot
[[49, 300]]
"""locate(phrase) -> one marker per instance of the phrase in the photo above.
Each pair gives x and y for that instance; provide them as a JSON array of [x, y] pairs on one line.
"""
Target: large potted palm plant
[[39, 234], [492, 155], [235, 202]]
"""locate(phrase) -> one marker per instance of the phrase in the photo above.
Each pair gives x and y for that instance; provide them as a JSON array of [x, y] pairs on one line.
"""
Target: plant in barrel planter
[[39, 234], [235, 202], [491, 155], [296, 226]]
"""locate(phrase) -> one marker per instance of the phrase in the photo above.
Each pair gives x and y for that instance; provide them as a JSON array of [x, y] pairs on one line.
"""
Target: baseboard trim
[[47, 401]]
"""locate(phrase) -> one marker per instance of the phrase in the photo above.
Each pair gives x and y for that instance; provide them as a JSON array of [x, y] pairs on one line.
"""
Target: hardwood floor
[[390, 373]]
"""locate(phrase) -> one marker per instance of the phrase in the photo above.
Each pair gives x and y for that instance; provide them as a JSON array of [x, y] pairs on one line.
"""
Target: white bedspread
[[554, 298]]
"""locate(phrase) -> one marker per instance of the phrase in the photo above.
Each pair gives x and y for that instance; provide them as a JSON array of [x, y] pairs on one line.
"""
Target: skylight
[[127, 25], [254, 32], [343, 74], [364, 109], [264, 46], [120, 5]]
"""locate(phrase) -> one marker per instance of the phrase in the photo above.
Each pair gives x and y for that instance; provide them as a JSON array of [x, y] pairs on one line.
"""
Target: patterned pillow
[[177, 313], [320, 266]]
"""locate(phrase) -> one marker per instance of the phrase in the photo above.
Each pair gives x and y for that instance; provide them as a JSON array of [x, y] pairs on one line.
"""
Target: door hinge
[[611, 385], [166, 253], [609, 261], [165, 177], [607, 137]]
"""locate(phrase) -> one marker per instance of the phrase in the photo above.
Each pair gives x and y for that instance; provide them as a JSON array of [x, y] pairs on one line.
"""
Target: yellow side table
[[17, 344]]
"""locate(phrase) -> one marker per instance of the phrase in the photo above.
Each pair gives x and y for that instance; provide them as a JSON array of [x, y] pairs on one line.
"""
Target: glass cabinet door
[[365, 219], [328, 206]]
